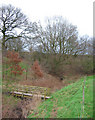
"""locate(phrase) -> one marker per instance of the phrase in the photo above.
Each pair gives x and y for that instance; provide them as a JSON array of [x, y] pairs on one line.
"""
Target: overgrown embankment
[[69, 102]]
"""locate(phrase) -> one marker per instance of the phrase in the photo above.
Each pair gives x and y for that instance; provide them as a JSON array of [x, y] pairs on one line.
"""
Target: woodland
[[52, 56]]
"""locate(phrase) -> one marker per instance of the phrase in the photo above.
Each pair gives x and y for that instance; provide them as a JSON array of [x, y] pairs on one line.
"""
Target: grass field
[[68, 102]]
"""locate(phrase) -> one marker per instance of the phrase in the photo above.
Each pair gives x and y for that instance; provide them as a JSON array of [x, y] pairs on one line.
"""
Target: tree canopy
[[15, 26]]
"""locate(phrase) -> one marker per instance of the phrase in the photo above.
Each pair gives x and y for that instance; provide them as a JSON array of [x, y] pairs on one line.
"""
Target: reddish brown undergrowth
[[37, 70], [13, 61]]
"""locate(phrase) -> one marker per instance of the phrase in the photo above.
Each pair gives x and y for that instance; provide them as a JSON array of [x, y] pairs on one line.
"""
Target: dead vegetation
[[23, 108], [19, 108], [43, 79]]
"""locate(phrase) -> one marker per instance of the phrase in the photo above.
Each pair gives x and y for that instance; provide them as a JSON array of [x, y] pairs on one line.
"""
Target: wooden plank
[[32, 90], [30, 95]]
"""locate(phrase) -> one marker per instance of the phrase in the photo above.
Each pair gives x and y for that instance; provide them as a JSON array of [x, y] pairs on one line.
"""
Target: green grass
[[68, 102]]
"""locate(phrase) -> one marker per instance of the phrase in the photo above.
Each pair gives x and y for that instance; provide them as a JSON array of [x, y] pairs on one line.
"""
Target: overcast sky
[[77, 12]]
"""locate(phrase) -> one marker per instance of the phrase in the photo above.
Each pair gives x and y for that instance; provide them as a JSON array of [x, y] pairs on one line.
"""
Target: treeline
[[57, 46], [67, 64]]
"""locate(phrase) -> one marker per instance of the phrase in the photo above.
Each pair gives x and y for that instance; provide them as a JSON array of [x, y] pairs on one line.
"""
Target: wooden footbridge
[[26, 91]]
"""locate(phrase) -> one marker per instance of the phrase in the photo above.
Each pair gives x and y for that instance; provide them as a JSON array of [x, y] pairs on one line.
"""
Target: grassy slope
[[68, 102]]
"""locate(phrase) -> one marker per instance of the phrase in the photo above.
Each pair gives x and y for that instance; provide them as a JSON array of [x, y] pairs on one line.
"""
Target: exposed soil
[[22, 109]]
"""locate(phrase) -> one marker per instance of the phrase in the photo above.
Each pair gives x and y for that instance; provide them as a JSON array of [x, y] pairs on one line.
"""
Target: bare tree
[[12, 23], [15, 44], [85, 45], [59, 36], [57, 40]]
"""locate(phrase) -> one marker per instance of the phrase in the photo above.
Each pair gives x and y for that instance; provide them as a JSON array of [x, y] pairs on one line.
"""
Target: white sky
[[77, 12]]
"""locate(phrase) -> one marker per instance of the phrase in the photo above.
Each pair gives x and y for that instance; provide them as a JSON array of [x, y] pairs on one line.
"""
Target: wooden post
[[48, 91], [83, 93], [44, 94]]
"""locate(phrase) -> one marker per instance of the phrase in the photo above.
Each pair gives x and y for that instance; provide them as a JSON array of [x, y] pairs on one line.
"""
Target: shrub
[[36, 69], [13, 61]]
